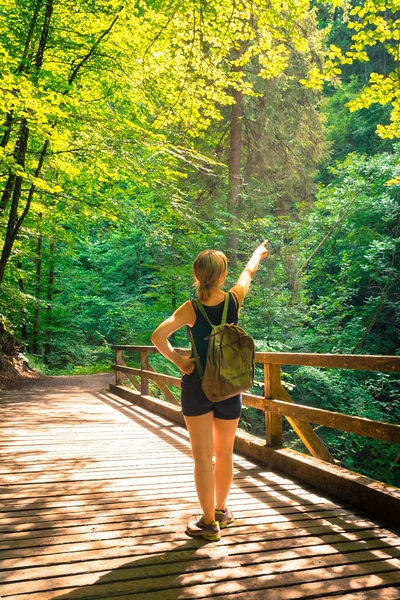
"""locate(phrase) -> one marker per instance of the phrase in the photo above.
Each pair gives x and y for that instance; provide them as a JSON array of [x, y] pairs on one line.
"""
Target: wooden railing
[[276, 401]]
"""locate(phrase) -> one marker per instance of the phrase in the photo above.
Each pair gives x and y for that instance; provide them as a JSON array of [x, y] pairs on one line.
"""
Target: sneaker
[[224, 517], [208, 532]]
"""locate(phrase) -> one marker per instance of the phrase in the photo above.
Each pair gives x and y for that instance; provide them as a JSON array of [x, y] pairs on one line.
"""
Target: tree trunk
[[14, 223], [173, 288], [8, 190], [235, 181], [7, 130], [44, 36], [20, 153], [23, 66], [50, 289], [139, 271], [35, 336], [24, 329]]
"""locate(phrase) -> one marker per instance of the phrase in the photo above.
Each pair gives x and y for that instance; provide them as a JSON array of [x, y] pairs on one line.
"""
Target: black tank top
[[201, 328]]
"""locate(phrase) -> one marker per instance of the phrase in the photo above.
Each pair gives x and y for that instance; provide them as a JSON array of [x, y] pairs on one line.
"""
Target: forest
[[134, 135]]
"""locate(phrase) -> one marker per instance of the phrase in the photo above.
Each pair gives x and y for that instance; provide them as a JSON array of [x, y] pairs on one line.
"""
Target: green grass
[[36, 365], [86, 370], [42, 369]]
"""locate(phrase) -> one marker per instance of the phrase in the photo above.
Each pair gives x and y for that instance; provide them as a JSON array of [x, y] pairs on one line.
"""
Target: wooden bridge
[[96, 490]]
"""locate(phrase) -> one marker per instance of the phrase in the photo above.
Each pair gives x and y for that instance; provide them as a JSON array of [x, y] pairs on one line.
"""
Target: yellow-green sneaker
[[224, 517], [209, 532]]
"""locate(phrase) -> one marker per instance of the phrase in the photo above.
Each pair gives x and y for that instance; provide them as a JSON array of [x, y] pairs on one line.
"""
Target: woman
[[211, 426]]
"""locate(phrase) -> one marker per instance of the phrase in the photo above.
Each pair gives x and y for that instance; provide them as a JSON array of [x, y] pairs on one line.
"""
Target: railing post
[[273, 422], [144, 365], [118, 361]]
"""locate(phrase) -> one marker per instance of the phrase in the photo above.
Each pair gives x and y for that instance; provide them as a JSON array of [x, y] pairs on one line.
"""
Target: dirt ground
[[85, 383]]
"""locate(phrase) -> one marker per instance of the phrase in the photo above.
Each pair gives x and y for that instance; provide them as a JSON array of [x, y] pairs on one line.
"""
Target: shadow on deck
[[96, 493]]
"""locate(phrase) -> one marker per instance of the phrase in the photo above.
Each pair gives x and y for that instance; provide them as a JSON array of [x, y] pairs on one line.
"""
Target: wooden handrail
[[357, 362], [359, 425], [276, 401]]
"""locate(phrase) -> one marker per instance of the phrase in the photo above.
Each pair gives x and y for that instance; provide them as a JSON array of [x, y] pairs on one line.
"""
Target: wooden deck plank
[[134, 515], [210, 583], [233, 545], [85, 513], [152, 526], [388, 594], [226, 570], [18, 519], [108, 501], [322, 554], [13, 503], [75, 544]]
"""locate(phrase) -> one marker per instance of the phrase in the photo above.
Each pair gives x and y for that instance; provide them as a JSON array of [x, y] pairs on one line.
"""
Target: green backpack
[[230, 358]]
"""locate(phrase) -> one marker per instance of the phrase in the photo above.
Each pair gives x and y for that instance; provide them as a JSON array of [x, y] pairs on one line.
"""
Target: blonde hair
[[208, 268]]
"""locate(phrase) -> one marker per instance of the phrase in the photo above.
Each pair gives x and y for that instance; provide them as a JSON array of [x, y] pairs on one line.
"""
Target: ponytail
[[203, 292], [208, 269]]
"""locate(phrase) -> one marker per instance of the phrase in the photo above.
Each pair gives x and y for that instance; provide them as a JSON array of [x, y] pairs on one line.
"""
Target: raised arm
[[184, 315], [243, 283]]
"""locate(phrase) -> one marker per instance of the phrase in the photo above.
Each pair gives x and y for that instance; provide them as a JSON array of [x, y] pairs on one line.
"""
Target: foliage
[[353, 280], [350, 132], [368, 395], [374, 23]]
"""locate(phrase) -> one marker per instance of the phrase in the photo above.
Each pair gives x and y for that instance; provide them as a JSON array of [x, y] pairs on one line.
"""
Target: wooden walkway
[[95, 495]]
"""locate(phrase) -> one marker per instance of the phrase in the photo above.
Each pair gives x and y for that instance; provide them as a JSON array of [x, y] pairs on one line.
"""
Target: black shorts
[[194, 402]]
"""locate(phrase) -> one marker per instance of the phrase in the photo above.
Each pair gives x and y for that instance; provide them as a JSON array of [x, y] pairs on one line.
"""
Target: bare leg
[[224, 438], [201, 439]]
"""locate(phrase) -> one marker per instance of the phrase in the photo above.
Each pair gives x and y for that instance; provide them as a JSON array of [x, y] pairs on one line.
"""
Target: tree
[[34, 103], [352, 268], [375, 23]]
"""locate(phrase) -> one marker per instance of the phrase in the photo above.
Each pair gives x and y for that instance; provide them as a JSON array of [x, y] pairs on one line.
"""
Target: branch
[[84, 60], [382, 299], [99, 207], [20, 69], [31, 191], [374, 318], [45, 33], [187, 71], [112, 58], [22, 66], [158, 35], [71, 150], [328, 235]]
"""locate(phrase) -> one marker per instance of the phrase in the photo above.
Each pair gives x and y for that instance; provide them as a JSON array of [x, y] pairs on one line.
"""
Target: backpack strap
[[196, 355], [235, 300], [202, 310], [224, 311]]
